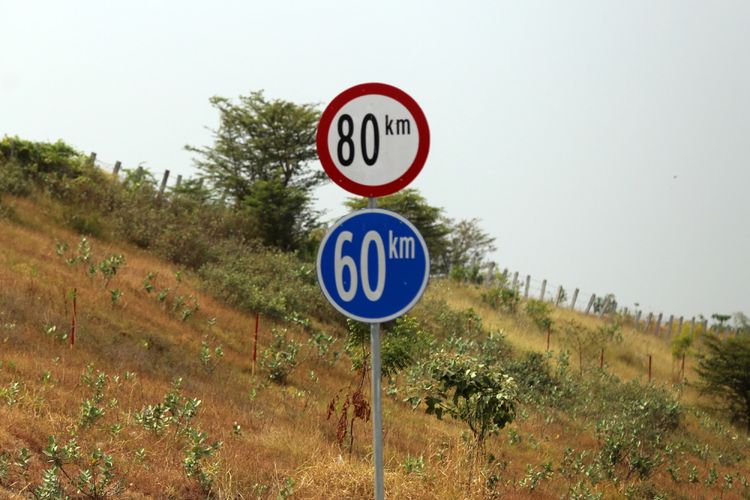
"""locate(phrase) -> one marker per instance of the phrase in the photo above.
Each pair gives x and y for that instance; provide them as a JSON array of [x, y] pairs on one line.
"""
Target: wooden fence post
[[179, 180], [116, 170], [559, 296], [544, 286], [670, 325], [704, 324], [92, 157], [692, 326], [526, 289], [648, 323], [657, 330], [679, 326], [515, 281], [591, 302], [573, 300], [163, 183], [638, 320]]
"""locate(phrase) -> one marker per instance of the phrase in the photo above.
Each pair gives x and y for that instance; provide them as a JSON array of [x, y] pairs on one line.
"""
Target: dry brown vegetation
[[276, 439]]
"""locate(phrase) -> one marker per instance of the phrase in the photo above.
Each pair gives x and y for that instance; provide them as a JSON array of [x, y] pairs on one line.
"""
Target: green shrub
[[502, 298], [539, 313], [402, 342], [281, 357], [464, 388], [84, 222], [259, 279]]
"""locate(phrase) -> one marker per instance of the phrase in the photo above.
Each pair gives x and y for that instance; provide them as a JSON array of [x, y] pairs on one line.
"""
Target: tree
[[469, 245], [259, 139], [261, 163], [429, 220], [725, 371], [281, 216]]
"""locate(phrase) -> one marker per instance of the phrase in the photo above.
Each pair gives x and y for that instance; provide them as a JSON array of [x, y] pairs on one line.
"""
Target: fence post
[[526, 289], [544, 285], [163, 183], [648, 322], [638, 320], [515, 280], [116, 170], [657, 330], [670, 324], [573, 300], [559, 295], [692, 326], [591, 302], [92, 157], [679, 326], [704, 324], [179, 180]]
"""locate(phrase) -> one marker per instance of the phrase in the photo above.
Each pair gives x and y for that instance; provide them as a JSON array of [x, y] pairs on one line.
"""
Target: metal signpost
[[373, 265]]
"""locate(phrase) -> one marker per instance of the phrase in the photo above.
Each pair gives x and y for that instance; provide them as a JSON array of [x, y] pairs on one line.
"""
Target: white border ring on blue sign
[[404, 309]]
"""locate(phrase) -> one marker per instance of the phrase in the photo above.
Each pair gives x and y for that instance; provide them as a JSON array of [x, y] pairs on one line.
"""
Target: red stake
[[649, 368], [255, 342], [73, 321], [601, 360]]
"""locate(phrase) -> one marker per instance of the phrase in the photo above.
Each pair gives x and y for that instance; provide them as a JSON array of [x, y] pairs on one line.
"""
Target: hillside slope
[[145, 353]]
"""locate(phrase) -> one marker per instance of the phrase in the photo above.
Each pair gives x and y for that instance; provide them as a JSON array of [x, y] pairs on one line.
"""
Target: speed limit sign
[[373, 139]]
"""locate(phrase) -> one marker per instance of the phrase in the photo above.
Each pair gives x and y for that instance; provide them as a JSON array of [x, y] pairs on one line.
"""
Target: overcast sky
[[606, 145]]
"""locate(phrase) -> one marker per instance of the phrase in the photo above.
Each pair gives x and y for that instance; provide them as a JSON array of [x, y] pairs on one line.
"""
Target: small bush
[[281, 357], [502, 298], [539, 313]]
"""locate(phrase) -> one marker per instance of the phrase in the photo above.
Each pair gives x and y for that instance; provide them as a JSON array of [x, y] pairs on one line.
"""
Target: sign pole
[[377, 410], [377, 402]]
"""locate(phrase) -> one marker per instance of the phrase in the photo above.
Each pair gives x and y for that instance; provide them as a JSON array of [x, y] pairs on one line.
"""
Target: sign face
[[373, 265], [373, 139]]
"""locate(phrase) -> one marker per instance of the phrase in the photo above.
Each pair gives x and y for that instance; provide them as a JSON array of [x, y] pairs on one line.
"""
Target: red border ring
[[325, 155]]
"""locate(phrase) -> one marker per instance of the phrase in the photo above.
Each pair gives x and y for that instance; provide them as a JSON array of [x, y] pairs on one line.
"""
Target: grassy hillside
[[157, 397]]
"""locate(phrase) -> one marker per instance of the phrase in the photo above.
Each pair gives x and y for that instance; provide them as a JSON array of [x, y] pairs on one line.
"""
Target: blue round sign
[[373, 265]]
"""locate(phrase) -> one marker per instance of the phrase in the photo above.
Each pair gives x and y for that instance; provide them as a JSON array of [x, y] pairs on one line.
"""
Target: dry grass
[[284, 431]]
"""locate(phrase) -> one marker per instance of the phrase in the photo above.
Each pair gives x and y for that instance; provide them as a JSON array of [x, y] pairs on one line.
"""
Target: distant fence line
[[603, 305], [527, 287], [115, 168]]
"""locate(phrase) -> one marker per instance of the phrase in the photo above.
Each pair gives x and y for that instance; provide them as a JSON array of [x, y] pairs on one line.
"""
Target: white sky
[[605, 144]]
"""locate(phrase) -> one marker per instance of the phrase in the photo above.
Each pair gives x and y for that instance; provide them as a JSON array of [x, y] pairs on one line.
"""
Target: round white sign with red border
[[373, 139]]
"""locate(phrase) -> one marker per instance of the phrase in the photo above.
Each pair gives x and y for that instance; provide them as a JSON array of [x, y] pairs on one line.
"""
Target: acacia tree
[[468, 247], [724, 369], [261, 162]]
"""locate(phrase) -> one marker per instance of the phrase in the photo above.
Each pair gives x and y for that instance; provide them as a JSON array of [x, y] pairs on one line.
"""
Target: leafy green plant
[[461, 386], [209, 357], [281, 356], [10, 393], [540, 314], [148, 282], [109, 266], [115, 295], [503, 298], [197, 454]]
